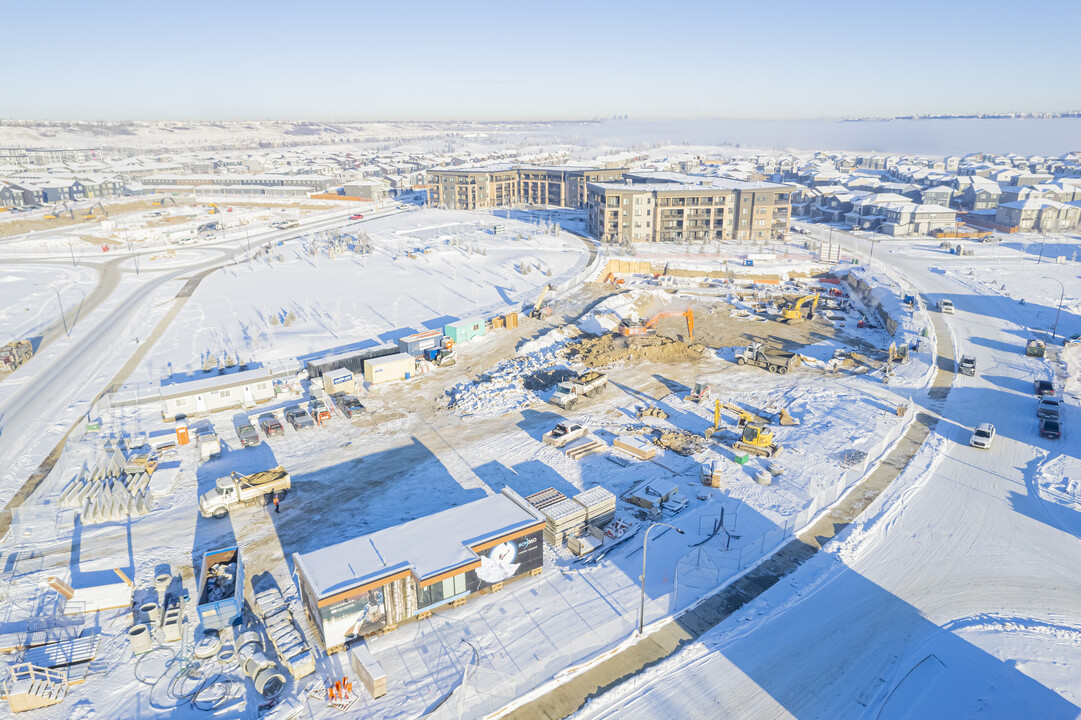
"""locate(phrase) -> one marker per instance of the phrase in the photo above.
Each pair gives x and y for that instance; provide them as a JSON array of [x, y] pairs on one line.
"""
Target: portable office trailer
[[415, 345], [217, 392], [464, 330], [391, 367], [372, 583], [340, 380]]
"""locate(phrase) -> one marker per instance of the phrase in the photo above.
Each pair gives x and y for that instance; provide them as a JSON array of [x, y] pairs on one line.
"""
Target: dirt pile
[[612, 349], [680, 441]]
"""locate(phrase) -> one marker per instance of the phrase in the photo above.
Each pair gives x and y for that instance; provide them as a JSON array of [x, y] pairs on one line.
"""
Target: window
[[225, 393], [440, 591]]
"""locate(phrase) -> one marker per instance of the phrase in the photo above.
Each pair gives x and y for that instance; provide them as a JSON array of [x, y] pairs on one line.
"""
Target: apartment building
[[484, 188], [673, 212]]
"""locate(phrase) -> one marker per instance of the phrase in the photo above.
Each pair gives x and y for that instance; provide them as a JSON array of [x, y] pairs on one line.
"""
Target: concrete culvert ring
[[227, 656], [207, 647]]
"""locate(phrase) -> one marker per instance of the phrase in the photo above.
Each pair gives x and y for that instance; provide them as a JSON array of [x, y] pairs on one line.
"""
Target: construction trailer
[[352, 361], [217, 392], [390, 368], [338, 381], [372, 583], [417, 344], [464, 330]]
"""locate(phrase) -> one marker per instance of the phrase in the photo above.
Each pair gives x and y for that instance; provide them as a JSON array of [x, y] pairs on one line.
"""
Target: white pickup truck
[[586, 385], [564, 433]]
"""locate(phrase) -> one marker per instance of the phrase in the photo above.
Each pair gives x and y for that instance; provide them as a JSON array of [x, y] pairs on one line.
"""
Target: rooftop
[[427, 546]]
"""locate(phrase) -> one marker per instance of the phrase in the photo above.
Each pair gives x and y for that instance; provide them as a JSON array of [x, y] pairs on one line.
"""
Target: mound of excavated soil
[[680, 441], [612, 349]]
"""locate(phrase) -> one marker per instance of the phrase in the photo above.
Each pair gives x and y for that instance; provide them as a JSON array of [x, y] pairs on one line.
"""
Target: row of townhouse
[[31, 190]]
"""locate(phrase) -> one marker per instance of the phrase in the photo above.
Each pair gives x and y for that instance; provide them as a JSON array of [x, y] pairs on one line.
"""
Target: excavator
[[89, 214], [794, 311], [627, 328], [213, 209], [167, 199], [58, 210], [755, 438], [611, 278], [540, 310]]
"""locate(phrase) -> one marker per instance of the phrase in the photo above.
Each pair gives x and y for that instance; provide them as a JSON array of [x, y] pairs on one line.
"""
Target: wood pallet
[[66, 652], [635, 448], [546, 497]]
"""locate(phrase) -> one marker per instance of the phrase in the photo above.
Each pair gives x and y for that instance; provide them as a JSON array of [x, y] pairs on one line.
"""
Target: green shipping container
[[464, 330]]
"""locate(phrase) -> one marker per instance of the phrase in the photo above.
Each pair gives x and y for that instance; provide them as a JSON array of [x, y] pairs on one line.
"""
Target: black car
[[1043, 387], [349, 405], [1050, 428]]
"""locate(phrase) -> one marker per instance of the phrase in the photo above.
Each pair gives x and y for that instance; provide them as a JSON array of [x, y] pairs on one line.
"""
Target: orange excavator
[[628, 328]]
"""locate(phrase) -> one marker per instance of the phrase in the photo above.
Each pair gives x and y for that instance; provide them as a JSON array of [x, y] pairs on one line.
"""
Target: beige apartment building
[[673, 212], [474, 189]]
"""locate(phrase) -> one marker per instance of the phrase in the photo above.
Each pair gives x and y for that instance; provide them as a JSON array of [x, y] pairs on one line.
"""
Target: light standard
[[465, 675], [1060, 298], [642, 606], [62, 315]]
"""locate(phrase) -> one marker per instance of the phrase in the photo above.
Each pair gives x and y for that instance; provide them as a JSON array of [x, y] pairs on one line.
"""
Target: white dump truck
[[236, 489], [587, 384], [564, 433]]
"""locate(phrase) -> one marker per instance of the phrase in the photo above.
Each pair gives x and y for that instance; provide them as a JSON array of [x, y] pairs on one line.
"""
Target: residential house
[[1038, 216], [914, 219], [938, 195]]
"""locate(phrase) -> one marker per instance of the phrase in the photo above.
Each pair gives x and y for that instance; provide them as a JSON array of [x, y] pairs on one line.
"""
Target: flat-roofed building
[[472, 189]]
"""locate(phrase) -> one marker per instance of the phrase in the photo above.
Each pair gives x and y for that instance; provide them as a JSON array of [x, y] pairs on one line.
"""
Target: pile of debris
[[612, 349], [220, 581], [679, 441], [510, 385]]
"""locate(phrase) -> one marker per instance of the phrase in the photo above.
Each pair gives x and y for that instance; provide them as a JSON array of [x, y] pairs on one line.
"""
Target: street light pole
[[62, 315], [1061, 296], [642, 605]]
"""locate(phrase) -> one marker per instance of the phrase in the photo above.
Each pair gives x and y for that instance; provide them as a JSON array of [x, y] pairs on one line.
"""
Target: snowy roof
[[216, 382], [427, 546]]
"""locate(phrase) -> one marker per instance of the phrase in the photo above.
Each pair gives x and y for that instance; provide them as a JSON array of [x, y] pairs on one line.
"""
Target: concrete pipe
[[250, 637], [207, 647], [141, 641], [763, 478], [151, 611], [245, 656], [227, 656], [269, 682]]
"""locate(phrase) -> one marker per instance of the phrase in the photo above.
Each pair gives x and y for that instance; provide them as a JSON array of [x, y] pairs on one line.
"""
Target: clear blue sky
[[538, 60]]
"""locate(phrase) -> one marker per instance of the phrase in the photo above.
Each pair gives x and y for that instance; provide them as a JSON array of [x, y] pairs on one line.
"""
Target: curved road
[[961, 597]]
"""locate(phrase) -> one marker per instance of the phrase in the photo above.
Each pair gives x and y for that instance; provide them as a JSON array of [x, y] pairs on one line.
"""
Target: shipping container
[[336, 381], [352, 361], [464, 330], [391, 367]]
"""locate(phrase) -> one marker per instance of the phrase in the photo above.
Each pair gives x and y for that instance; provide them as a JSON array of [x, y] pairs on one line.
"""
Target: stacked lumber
[[581, 448], [635, 447], [544, 498], [599, 504], [563, 519]]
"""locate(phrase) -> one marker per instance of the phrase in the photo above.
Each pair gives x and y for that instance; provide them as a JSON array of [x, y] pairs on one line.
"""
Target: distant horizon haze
[[428, 61]]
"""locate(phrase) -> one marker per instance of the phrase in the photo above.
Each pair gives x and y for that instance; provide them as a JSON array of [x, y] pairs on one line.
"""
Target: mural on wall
[[506, 560], [365, 613]]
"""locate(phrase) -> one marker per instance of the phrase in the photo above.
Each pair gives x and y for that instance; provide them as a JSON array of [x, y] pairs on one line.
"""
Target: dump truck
[[15, 354], [587, 384], [236, 490], [564, 433], [776, 361], [967, 365], [221, 589]]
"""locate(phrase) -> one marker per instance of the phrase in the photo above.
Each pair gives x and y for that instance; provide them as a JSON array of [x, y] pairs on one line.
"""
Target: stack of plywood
[[635, 447], [583, 447], [563, 519], [712, 473], [600, 505]]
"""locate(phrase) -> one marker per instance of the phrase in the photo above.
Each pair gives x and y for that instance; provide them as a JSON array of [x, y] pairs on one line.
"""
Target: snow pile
[[510, 386], [884, 295]]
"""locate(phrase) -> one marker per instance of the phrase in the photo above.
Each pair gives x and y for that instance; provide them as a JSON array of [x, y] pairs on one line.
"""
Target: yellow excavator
[[794, 311], [755, 439], [540, 310]]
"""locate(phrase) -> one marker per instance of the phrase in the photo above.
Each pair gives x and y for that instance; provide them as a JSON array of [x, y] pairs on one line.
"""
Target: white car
[[982, 436], [945, 306]]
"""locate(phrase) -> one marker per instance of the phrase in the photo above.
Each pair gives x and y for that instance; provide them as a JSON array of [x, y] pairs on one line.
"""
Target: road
[[960, 598], [42, 398]]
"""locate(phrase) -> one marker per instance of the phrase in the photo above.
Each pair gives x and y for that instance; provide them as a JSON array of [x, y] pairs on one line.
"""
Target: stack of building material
[[106, 493], [285, 636], [544, 498], [599, 504], [563, 519], [712, 473], [635, 447], [581, 448], [368, 669]]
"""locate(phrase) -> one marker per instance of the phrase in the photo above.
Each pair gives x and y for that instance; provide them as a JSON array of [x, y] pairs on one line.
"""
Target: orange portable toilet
[[182, 437]]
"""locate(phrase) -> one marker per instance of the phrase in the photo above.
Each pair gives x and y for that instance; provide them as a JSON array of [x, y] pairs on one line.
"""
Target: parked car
[[270, 425], [1050, 428], [982, 436], [945, 306], [1050, 407], [356, 216], [1043, 387], [349, 405], [247, 434], [299, 418]]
